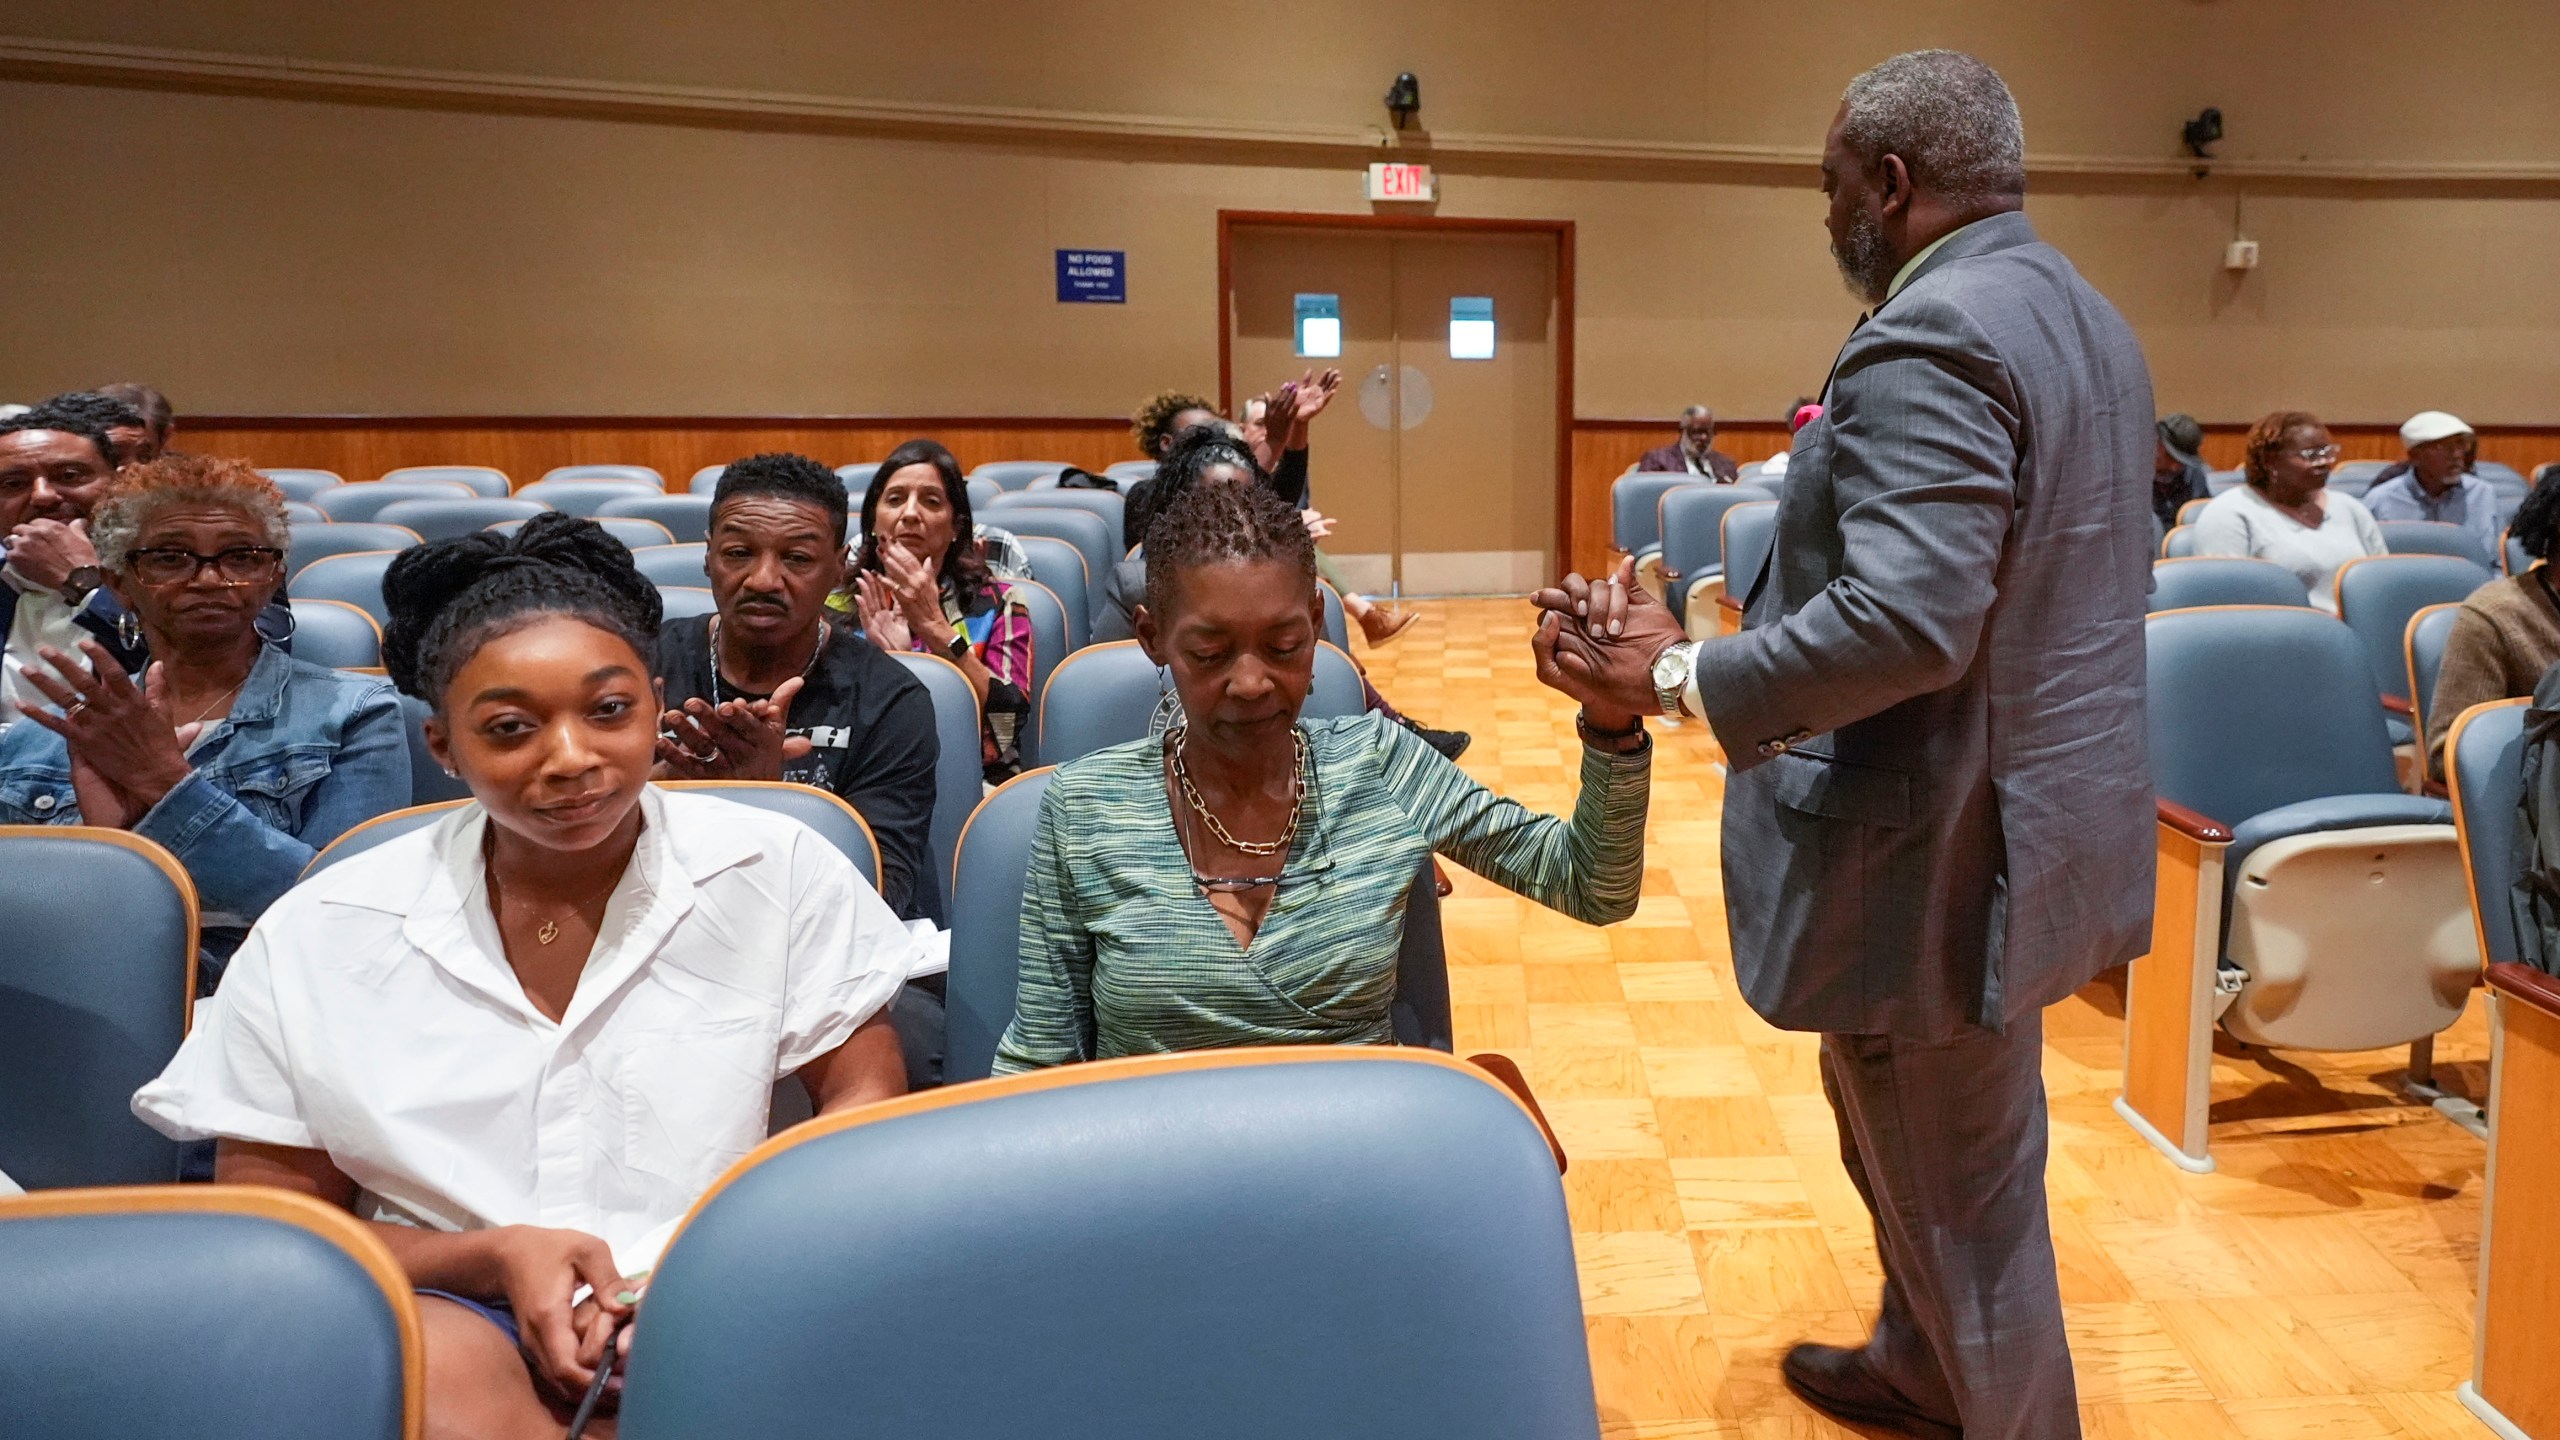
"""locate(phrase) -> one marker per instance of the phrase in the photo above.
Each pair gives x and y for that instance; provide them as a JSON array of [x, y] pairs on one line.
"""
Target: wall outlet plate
[[2240, 255]]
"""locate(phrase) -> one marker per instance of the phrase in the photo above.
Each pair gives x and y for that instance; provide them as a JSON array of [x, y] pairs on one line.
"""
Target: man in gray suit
[[1940, 814]]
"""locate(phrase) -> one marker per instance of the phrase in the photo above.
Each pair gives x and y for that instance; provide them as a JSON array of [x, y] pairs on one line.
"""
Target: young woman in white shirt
[[2286, 512], [524, 1039]]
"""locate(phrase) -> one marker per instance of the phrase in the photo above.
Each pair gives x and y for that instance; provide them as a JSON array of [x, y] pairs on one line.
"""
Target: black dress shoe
[[1450, 743], [1838, 1382]]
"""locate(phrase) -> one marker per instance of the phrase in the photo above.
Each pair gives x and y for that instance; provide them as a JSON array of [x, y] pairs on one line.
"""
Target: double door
[[1438, 460]]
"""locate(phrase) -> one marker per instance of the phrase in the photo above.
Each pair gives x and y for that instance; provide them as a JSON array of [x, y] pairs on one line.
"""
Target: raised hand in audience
[[125, 752], [1606, 636], [733, 740], [1319, 525], [1315, 391], [1279, 423]]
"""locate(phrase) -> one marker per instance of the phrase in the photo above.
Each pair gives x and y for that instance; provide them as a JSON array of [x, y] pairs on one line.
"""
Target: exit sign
[[1402, 182]]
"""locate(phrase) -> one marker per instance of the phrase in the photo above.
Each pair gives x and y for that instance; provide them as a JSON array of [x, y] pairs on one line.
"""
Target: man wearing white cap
[[2437, 483]]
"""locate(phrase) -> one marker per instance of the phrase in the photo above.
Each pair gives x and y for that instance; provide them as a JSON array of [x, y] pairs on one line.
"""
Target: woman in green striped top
[[1241, 880]]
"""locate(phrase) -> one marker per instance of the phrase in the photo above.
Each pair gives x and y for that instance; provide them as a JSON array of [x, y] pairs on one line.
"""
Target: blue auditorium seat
[[478, 479], [1017, 474], [585, 496], [1635, 500], [1692, 529], [217, 1312], [2185, 583], [821, 810], [364, 501], [301, 484], [1255, 1244], [2325, 901], [2484, 763], [685, 518], [1103, 504], [1060, 566], [354, 578], [959, 779], [1108, 694], [336, 634], [624, 474], [318, 541], [97, 979], [451, 519]]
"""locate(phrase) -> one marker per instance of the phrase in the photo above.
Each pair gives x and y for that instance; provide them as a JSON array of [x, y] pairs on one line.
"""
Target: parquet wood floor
[[2319, 1284]]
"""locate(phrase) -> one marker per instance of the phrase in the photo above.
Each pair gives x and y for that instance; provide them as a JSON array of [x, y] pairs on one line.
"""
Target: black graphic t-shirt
[[871, 740]]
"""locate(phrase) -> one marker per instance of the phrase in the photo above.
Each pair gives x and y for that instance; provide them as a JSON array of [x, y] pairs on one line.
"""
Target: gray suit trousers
[[1945, 1140]]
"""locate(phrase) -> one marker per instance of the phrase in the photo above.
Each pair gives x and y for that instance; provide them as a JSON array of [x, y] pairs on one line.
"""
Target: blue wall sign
[[1093, 277]]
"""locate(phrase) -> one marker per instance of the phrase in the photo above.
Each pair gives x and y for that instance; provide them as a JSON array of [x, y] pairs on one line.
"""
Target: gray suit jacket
[[1940, 812]]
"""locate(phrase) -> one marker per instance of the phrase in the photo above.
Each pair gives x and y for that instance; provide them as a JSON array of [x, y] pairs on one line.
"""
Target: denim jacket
[[306, 754]]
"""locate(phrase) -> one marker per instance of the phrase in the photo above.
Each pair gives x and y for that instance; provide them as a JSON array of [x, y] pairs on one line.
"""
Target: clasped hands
[[1597, 641]]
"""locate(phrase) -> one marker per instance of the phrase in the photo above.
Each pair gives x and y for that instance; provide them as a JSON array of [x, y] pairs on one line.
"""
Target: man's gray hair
[[1697, 412], [1951, 119]]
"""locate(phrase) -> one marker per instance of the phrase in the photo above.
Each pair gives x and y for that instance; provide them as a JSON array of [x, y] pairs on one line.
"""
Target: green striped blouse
[[1122, 955]]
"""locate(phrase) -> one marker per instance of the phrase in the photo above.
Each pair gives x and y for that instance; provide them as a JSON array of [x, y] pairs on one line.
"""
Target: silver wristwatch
[[1671, 670]]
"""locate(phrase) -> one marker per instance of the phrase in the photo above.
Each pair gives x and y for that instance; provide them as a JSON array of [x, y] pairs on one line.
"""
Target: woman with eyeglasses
[[1241, 879], [2286, 512], [240, 759]]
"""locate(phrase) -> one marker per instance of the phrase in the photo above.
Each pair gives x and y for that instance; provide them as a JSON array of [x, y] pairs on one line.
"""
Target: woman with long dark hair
[[920, 584]]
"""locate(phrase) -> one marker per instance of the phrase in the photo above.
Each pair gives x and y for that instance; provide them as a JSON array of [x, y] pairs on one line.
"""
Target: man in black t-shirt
[[858, 723]]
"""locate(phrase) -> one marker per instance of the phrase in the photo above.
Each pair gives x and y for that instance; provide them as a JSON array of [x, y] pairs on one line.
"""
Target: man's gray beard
[[1866, 265]]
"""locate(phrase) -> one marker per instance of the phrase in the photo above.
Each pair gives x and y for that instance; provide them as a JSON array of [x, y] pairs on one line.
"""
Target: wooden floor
[[2320, 1284]]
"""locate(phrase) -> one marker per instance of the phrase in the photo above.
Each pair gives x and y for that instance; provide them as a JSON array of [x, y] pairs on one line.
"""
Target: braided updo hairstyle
[[1207, 524], [1195, 450], [449, 598]]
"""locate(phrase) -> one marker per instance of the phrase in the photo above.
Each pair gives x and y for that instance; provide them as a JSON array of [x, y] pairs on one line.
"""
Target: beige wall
[[261, 254]]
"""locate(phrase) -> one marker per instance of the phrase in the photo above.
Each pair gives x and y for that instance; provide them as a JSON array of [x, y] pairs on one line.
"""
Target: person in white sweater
[[2286, 512]]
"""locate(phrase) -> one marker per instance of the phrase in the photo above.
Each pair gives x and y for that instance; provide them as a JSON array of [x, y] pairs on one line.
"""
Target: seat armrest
[[2399, 705], [1503, 1069], [1730, 601], [2527, 985], [2195, 825]]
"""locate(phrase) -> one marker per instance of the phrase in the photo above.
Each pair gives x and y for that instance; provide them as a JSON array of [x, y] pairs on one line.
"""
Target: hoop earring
[[128, 630]]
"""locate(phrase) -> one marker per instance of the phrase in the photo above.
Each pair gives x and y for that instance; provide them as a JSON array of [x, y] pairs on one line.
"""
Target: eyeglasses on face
[[172, 565], [2318, 455]]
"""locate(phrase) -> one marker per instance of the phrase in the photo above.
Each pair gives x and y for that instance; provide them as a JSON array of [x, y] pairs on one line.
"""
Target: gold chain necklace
[[1199, 807], [548, 930], [220, 702]]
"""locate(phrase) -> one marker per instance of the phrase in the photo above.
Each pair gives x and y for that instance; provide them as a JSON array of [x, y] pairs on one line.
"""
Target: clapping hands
[[733, 740]]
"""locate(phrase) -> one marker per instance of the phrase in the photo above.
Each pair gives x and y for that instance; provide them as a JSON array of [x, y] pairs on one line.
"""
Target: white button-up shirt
[[372, 1014]]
